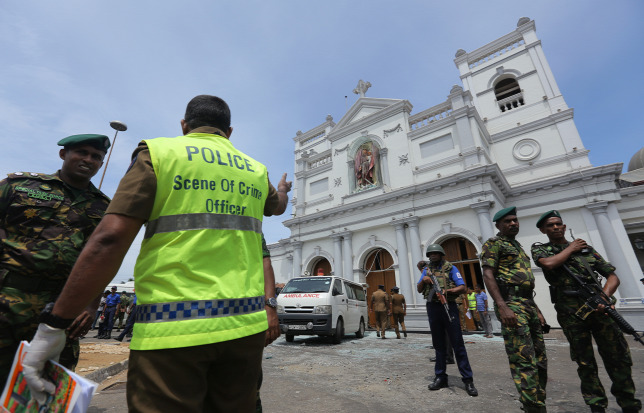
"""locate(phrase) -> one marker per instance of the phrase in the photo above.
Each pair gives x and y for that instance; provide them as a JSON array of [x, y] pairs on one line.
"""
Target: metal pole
[[118, 126]]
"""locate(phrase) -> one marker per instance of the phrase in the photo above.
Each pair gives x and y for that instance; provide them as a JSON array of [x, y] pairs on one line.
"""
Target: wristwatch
[[53, 320], [271, 302]]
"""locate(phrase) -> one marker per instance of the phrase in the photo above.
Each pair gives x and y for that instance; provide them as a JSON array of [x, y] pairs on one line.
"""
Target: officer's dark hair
[[208, 110]]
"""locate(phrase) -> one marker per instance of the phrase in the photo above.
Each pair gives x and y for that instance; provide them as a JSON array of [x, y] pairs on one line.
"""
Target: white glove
[[46, 345]]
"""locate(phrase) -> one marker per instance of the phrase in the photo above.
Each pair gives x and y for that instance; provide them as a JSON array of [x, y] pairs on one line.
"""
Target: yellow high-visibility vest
[[199, 275], [472, 301]]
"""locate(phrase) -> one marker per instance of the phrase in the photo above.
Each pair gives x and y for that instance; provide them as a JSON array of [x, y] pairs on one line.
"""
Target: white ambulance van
[[323, 306]]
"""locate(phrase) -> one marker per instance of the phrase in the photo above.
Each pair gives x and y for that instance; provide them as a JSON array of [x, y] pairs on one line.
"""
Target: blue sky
[[72, 66]]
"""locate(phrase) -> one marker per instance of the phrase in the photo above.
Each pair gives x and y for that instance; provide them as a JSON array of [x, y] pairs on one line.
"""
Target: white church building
[[374, 189]]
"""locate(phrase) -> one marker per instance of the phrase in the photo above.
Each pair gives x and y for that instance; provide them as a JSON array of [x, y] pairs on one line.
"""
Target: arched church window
[[366, 167], [321, 267], [508, 94]]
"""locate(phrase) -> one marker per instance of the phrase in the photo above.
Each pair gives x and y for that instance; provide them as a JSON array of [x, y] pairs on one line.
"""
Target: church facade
[[374, 189]]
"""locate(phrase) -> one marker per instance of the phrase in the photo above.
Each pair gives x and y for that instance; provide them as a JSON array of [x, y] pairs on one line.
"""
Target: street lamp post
[[118, 126]]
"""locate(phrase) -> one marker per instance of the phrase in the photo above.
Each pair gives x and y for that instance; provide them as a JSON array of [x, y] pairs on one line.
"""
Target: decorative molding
[[488, 173], [365, 249], [610, 171], [526, 150], [312, 172], [493, 47], [403, 159], [387, 108], [313, 258], [533, 126], [544, 163], [337, 182], [338, 151], [318, 201], [386, 132], [442, 235]]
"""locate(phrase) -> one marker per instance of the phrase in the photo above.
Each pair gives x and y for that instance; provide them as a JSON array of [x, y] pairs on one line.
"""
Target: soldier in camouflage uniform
[[610, 340], [510, 282], [45, 221]]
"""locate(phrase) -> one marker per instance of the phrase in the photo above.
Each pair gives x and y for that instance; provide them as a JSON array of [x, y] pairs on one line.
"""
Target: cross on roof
[[362, 88]]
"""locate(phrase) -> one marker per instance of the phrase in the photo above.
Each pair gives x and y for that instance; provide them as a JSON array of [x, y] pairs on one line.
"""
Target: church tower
[[531, 127]]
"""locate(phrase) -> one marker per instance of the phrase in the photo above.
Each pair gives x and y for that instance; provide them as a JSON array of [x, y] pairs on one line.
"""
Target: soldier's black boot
[[470, 389], [438, 383], [533, 409], [595, 408], [108, 335], [405, 333]]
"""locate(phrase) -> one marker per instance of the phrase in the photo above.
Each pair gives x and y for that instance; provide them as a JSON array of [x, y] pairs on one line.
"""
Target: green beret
[[549, 214], [505, 211], [100, 142]]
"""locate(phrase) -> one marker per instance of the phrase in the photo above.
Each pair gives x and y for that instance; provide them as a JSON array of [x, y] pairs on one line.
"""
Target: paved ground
[[371, 374]]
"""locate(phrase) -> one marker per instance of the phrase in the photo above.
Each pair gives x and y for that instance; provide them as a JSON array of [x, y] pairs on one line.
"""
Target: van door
[[353, 313], [339, 302]]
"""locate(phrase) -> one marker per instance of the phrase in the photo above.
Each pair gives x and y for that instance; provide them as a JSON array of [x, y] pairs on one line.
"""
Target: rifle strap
[[589, 270]]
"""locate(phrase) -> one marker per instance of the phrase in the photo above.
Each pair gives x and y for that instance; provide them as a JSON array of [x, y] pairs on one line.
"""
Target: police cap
[[505, 211], [100, 142], [546, 215], [395, 289]]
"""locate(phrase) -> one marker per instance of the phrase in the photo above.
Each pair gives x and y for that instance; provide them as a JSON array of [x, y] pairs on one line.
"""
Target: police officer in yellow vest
[[471, 300], [202, 296]]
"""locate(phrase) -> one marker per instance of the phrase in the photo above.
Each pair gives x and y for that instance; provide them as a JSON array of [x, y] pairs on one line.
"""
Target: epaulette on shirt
[[31, 175]]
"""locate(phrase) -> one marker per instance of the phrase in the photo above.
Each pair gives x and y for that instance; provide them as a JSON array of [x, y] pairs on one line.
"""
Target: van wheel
[[339, 332], [289, 337], [360, 332]]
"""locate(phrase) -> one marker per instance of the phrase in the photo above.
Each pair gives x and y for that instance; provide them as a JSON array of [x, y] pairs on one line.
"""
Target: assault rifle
[[594, 296], [436, 289]]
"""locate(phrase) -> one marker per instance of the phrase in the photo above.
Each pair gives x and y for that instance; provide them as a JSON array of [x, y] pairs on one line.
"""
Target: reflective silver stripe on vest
[[187, 222], [192, 310]]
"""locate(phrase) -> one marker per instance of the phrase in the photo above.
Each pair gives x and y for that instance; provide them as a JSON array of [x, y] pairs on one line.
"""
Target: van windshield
[[308, 285]]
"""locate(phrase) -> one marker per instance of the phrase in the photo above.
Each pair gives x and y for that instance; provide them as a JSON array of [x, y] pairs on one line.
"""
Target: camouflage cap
[[546, 215], [505, 211], [100, 142]]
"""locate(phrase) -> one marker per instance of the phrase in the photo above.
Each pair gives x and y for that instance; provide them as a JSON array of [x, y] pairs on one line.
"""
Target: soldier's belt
[[509, 292], [33, 284]]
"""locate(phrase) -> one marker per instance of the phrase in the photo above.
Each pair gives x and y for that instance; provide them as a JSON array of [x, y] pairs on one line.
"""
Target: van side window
[[350, 293], [337, 286], [359, 293]]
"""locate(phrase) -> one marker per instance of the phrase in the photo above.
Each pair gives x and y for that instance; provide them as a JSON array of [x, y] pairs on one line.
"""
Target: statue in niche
[[365, 165]]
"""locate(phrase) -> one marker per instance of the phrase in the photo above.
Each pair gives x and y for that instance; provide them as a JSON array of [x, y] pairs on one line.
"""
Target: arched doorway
[[379, 271], [321, 267], [462, 253]]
